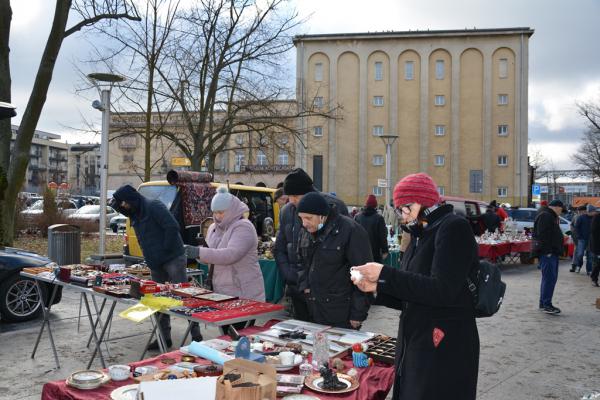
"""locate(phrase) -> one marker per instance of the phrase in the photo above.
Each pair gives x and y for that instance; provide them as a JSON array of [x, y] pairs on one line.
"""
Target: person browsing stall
[[232, 249], [437, 356], [374, 224], [159, 237], [329, 245]]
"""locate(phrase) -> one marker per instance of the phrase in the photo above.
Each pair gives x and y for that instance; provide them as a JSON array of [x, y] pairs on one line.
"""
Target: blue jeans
[[549, 267], [581, 249]]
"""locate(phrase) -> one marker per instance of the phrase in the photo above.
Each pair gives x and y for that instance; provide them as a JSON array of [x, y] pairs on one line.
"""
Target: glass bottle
[[305, 367], [320, 350]]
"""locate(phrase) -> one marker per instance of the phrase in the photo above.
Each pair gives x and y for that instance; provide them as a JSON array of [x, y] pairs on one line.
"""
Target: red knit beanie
[[416, 188], [371, 201]]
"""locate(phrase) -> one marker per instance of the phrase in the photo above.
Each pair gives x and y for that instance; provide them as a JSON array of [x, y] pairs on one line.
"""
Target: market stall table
[[375, 381]]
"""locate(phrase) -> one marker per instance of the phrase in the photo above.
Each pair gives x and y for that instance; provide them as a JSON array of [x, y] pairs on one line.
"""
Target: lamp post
[[388, 140], [104, 83]]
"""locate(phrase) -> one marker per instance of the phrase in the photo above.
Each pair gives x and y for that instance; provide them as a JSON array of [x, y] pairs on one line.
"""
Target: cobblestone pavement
[[525, 354]]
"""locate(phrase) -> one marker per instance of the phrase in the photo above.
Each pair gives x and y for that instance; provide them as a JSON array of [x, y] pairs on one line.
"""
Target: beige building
[[457, 100], [84, 169], [249, 157]]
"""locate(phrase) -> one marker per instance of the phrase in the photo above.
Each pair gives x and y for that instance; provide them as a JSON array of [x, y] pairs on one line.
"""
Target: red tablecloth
[[520, 247], [375, 381], [493, 251]]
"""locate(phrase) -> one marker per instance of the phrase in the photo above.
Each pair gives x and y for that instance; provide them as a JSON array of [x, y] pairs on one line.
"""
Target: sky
[[564, 62]]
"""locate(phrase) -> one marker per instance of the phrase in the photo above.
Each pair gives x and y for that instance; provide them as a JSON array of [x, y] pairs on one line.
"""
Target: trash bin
[[64, 244]]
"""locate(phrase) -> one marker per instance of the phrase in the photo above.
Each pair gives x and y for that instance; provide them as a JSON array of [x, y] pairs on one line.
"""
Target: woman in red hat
[[438, 351]]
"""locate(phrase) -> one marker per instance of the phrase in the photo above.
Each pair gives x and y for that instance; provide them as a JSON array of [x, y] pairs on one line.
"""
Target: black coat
[[595, 235], [491, 221], [431, 290], [327, 257], [547, 233], [375, 226], [286, 244]]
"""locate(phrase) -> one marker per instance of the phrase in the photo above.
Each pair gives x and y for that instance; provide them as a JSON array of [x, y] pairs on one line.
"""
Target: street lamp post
[[388, 140], [104, 83]]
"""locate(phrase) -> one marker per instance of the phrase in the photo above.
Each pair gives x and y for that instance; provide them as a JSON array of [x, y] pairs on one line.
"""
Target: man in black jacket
[[158, 234], [375, 226], [595, 248], [549, 242], [491, 220], [330, 244], [296, 184]]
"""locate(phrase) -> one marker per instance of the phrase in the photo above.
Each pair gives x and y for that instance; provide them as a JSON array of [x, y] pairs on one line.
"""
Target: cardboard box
[[261, 378]]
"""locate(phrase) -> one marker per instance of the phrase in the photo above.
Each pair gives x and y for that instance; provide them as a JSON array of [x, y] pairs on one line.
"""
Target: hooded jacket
[[438, 343], [326, 258], [547, 233], [156, 229], [286, 245], [232, 248], [375, 226]]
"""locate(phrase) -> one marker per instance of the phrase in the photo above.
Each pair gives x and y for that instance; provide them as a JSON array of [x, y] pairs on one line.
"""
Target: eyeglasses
[[403, 210]]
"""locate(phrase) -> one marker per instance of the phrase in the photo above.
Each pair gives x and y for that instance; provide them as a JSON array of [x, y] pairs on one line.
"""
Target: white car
[[525, 217], [118, 223], [91, 214], [65, 207]]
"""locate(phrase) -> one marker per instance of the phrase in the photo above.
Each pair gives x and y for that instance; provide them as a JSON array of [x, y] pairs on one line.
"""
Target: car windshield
[[38, 205], [522, 215], [165, 193]]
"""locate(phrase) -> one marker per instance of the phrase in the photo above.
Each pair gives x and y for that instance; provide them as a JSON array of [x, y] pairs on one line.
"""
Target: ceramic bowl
[[119, 372]]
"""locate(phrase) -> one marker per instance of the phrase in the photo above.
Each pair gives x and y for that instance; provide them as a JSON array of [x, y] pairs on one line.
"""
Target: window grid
[[378, 101], [378, 71], [409, 70], [503, 68], [378, 130], [440, 130], [503, 160], [441, 190], [378, 160], [476, 181], [502, 130], [502, 99], [440, 100], [261, 158], [318, 131], [439, 160], [377, 191], [318, 72], [439, 69], [318, 102], [502, 191], [283, 158]]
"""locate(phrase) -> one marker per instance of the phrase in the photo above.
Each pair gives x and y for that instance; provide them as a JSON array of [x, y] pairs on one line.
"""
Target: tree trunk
[[37, 99], [5, 95]]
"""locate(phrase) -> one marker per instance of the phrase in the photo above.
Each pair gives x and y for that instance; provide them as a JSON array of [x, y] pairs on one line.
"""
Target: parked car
[[525, 217], [91, 215], [118, 223], [65, 207], [19, 301]]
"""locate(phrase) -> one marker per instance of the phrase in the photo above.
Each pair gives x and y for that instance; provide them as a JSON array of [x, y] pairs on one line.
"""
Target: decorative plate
[[128, 392], [89, 381], [312, 382], [87, 377]]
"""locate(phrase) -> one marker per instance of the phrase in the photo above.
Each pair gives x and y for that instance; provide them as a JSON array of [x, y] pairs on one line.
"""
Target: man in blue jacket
[[159, 237], [583, 227]]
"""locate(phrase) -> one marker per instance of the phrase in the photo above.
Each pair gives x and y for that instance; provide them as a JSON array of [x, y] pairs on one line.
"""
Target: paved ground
[[525, 354]]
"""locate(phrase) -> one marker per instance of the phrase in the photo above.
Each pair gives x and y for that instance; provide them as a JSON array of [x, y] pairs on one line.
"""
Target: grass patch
[[89, 244]]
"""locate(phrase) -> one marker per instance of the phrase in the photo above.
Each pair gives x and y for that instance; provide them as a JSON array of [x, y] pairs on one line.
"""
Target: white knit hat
[[222, 200]]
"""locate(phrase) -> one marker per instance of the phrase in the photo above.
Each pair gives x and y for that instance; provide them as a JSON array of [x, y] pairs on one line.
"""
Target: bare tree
[[14, 166], [588, 152], [591, 112]]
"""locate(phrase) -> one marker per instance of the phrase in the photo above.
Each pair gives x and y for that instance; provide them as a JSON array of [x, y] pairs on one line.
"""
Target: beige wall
[[470, 85]]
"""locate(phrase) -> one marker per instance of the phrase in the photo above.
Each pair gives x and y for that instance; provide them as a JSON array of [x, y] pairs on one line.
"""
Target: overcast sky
[[564, 62]]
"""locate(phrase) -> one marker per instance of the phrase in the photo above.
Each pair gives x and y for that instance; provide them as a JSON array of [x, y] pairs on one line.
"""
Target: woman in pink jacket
[[232, 249]]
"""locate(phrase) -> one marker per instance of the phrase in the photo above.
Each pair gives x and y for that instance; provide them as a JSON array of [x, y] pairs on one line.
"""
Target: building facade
[[47, 161], [457, 100], [84, 169]]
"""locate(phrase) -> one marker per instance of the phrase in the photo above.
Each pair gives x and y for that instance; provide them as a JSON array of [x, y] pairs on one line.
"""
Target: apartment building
[[456, 99]]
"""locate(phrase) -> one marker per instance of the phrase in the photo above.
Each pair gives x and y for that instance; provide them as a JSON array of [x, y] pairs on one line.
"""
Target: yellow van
[[170, 196]]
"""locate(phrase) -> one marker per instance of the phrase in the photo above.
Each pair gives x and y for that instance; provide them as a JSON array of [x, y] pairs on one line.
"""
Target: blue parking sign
[[535, 190]]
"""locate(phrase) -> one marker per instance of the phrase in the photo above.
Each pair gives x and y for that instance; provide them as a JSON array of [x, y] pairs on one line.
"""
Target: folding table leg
[[98, 314], [187, 332], [46, 312], [90, 319], [162, 345], [99, 342], [79, 312], [149, 339]]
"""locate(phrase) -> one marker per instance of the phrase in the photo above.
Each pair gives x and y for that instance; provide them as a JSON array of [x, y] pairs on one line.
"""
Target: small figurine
[[359, 358], [330, 379]]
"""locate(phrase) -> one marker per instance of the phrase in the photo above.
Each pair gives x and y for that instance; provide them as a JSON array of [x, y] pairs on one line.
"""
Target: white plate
[[128, 392], [297, 361]]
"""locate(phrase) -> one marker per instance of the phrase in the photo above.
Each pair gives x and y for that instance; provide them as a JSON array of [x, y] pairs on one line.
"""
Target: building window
[[378, 130], [439, 160], [377, 191], [409, 70], [440, 130], [318, 72], [318, 102], [503, 68], [261, 158], [502, 191], [502, 99], [283, 158], [128, 158], [318, 131], [378, 71], [440, 100], [239, 158], [378, 101], [503, 160], [476, 181], [439, 69], [441, 190], [377, 160], [502, 130]]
